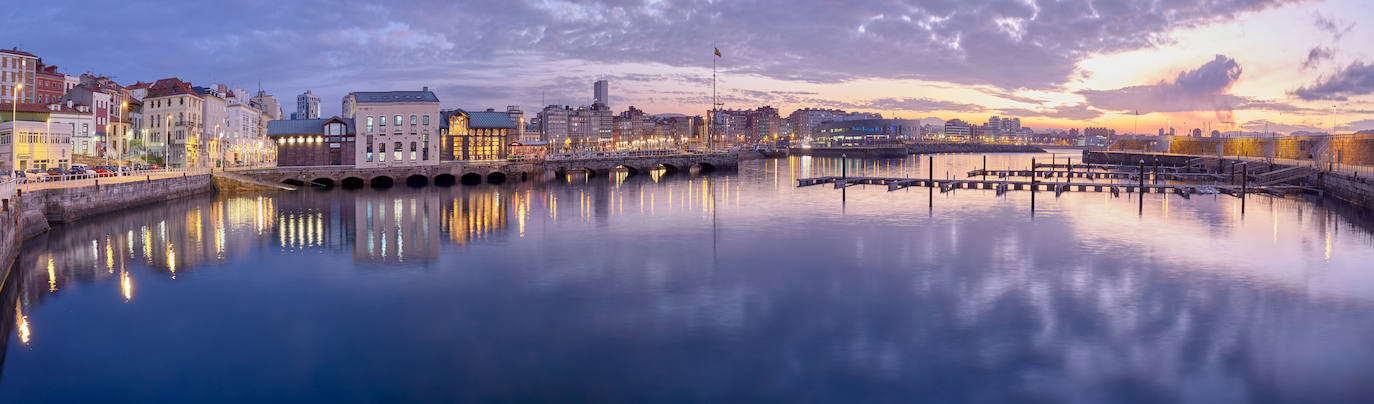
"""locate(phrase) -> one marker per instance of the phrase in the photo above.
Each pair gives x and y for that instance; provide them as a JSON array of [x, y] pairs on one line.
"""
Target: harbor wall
[[934, 148]]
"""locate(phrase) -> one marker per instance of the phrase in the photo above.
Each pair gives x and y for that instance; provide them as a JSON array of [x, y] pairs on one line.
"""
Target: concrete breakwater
[[934, 148]]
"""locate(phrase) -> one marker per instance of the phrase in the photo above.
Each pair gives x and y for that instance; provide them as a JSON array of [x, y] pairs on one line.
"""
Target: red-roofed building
[[49, 85]]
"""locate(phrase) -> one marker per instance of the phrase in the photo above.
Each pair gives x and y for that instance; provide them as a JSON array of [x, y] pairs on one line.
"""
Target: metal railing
[[612, 154], [8, 187], [34, 182]]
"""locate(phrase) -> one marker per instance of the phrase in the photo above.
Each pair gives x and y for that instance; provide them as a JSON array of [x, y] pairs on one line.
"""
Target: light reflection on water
[[699, 287]]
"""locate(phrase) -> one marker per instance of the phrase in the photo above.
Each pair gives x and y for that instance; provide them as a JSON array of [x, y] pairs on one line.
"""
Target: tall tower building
[[601, 93], [307, 106]]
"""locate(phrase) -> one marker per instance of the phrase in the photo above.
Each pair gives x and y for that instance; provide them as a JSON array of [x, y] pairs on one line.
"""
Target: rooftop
[[304, 126], [16, 51], [395, 96]]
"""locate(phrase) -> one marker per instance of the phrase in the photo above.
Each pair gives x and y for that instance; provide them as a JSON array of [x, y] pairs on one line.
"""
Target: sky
[[1132, 65]]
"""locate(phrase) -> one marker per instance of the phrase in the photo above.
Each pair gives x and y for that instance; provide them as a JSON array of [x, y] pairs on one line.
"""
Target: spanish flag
[[718, 52]]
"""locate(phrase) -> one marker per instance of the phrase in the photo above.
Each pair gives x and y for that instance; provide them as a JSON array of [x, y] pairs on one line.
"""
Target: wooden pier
[[1002, 185], [1096, 175]]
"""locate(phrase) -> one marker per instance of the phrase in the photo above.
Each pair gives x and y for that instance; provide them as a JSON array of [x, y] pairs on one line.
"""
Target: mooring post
[[1033, 185], [1140, 192], [1244, 185], [931, 185], [985, 167], [844, 163]]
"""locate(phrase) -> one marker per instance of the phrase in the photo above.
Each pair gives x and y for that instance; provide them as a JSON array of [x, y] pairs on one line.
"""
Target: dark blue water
[[731, 286]]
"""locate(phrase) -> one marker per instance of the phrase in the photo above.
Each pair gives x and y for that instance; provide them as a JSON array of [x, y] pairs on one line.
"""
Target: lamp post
[[167, 144], [47, 138], [122, 105]]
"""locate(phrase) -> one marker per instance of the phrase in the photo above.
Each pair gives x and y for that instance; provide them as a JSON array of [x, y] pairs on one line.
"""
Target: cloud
[[1078, 112], [1354, 80], [1265, 126], [915, 105], [1316, 56], [1355, 126], [1331, 26], [1201, 89]]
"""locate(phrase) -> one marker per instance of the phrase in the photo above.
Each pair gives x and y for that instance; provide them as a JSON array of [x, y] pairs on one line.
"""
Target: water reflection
[[734, 287]]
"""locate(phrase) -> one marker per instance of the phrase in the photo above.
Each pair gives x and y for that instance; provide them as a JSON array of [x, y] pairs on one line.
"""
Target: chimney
[[425, 89]]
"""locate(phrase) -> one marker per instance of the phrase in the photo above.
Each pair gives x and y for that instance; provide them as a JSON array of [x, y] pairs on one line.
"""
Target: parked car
[[102, 172], [58, 172], [36, 174], [81, 167]]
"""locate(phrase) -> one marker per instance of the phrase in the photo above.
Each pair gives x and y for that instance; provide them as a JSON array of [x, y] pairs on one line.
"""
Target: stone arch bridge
[[495, 172]]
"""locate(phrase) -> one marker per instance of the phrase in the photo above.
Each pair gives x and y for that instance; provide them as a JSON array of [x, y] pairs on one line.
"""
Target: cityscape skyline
[[1185, 65]]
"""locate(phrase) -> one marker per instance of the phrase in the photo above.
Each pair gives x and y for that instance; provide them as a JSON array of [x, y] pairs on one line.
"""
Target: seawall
[[63, 205], [27, 214], [934, 148], [895, 152]]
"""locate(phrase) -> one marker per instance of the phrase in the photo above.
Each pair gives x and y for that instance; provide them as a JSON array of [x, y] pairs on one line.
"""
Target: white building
[[172, 111], [395, 128], [82, 126], [33, 144], [215, 121]]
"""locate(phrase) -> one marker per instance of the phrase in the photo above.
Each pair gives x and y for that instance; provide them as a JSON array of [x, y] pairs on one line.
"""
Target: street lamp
[[167, 144]]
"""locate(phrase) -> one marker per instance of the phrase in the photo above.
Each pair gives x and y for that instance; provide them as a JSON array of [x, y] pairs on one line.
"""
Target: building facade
[[49, 85], [18, 75], [865, 132], [173, 111], [601, 93], [29, 140], [81, 123], [307, 106], [481, 135], [395, 128], [314, 142]]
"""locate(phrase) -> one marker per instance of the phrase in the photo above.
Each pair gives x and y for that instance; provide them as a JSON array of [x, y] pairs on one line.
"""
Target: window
[[369, 147], [412, 120], [383, 119], [396, 150], [412, 151], [426, 120], [381, 150], [369, 124], [398, 120]]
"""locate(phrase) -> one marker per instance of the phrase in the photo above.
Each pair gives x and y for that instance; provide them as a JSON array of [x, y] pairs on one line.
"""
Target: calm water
[[720, 287]]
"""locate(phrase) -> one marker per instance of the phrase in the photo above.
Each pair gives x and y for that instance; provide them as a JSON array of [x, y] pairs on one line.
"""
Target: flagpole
[[714, 101]]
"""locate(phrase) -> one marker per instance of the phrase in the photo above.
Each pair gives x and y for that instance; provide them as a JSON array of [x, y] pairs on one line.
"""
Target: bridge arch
[[496, 177], [445, 180], [628, 169], [471, 179], [381, 181], [353, 183], [325, 183], [293, 182], [704, 167], [417, 180], [667, 168]]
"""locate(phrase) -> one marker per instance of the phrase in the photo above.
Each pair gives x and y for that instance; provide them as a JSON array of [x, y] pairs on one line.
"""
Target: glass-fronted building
[[865, 132]]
